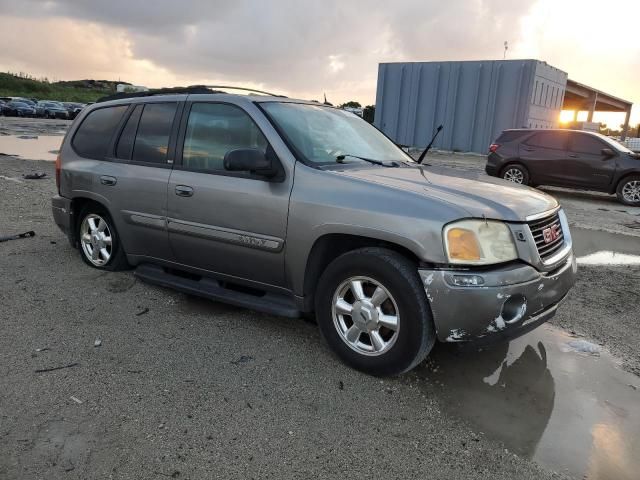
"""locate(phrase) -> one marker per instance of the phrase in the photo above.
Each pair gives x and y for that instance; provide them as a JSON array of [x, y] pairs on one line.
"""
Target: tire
[[96, 218], [515, 172], [384, 351], [628, 191]]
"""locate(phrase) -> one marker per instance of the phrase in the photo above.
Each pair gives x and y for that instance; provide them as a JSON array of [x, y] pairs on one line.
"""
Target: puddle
[[550, 397], [38, 148], [593, 247]]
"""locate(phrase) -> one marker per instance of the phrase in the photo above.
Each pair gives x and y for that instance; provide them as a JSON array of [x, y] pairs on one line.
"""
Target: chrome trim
[[226, 235], [538, 216]]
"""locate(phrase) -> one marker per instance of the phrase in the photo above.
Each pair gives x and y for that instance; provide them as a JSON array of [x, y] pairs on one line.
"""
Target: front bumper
[[511, 300], [61, 209]]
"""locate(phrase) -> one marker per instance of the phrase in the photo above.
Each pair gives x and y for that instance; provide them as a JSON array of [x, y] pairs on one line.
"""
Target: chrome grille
[[547, 250]]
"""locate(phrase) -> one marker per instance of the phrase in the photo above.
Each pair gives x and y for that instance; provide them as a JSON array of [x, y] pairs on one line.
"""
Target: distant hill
[[67, 91]]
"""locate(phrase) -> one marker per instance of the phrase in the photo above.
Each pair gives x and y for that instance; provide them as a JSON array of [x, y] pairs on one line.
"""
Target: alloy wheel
[[96, 239], [365, 315], [514, 175], [631, 191]]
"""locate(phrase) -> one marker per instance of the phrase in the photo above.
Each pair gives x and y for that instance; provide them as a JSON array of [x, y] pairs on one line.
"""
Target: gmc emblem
[[550, 234]]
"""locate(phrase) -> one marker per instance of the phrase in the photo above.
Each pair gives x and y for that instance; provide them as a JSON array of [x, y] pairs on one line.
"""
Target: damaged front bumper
[[503, 302]]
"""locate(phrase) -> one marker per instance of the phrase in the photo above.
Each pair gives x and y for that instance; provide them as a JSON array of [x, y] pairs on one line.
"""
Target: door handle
[[572, 155], [184, 191], [529, 149], [107, 180]]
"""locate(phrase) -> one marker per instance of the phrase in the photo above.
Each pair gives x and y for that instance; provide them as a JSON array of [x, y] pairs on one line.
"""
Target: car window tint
[[94, 135], [213, 129], [154, 129], [510, 136], [128, 135], [584, 143], [553, 140]]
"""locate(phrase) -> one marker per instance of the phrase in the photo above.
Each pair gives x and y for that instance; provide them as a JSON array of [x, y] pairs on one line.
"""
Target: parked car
[[291, 207], [18, 109], [566, 158], [51, 109], [73, 108]]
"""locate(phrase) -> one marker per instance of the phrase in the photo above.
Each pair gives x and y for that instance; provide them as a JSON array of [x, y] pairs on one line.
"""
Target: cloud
[[301, 48]]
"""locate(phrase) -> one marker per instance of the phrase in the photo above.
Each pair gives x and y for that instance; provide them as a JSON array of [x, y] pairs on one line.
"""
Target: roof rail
[[193, 89]]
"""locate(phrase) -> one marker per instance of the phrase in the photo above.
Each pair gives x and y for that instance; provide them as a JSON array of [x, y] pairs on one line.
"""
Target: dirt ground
[[185, 388]]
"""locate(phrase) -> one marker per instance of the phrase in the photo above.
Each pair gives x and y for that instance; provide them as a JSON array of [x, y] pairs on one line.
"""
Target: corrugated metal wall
[[474, 101]]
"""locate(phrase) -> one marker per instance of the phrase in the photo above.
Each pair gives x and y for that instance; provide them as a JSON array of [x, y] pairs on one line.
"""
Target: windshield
[[320, 134]]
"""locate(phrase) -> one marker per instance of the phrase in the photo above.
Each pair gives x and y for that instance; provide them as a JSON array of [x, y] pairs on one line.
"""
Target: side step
[[213, 290]]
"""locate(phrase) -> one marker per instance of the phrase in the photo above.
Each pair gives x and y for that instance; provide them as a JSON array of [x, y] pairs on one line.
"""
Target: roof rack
[[191, 90]]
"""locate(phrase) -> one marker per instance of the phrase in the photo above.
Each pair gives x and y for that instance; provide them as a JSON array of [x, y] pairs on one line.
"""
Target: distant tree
[[351, 104], [369, 113]]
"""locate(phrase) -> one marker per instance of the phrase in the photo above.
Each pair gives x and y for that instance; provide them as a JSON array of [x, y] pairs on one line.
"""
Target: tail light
[[493, 147], [58, 166]]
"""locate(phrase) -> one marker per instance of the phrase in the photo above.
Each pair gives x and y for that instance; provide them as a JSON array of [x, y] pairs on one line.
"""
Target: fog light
[[467, 280], [514, 308]]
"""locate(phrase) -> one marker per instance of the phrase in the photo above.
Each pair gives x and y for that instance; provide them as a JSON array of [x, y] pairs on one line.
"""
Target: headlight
[[479, 242]]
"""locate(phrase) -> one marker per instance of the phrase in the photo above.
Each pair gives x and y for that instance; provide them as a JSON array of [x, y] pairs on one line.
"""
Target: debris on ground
[[97, 342], [43, 349], [28, 234], [582, 346], [142, 312], [34, 176], [242, 359], [75, 399], [52, 369]]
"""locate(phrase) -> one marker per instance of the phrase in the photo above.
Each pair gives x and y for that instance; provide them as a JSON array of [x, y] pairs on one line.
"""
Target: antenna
[[506, 47]]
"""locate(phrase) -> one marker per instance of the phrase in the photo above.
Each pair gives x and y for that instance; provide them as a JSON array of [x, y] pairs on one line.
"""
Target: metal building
[[473, 100]]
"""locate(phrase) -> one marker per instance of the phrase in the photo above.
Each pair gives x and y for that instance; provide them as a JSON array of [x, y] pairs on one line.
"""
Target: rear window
[[510, 136], [552, 140], [94, 134], [154, 129]]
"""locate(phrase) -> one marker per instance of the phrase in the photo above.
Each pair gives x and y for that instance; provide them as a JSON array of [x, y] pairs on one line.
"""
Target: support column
[[592, 107], [625, 128], [575, 115]]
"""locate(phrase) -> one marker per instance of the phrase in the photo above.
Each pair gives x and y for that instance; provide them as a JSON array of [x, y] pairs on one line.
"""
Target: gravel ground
[[185, 388]]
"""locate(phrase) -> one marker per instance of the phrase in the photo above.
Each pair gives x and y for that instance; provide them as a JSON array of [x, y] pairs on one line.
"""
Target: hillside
[[66, 91]]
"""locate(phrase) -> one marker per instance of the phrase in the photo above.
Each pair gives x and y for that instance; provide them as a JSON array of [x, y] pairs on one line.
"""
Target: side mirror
[[249, 160], [607, 153]]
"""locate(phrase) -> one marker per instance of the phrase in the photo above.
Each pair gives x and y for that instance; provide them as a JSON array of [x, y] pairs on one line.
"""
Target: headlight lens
[[479, 242]]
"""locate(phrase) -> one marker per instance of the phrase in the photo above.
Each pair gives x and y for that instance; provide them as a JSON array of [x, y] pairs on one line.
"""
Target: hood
[[477, 194]]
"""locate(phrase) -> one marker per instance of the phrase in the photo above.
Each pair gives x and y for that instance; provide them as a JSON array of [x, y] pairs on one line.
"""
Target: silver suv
[[293, 207]]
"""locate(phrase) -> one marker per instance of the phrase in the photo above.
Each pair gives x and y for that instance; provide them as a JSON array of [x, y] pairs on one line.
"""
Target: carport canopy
[[579, 97]]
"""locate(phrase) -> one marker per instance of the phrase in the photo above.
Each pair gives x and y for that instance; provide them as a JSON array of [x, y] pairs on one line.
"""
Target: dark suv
[[566, 158]]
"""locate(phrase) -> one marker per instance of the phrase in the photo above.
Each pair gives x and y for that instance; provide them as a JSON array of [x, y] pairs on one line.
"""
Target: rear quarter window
[[506, 137], [94, 135]]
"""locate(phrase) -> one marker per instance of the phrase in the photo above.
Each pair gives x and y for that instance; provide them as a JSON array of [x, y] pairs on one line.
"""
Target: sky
[[308, 48]]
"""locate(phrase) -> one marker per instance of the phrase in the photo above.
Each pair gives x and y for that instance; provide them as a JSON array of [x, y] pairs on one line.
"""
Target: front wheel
[[100, 245], [628, 191], [372, 310]]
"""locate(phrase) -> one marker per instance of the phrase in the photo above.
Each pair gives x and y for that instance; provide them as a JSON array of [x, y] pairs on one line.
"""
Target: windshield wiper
[[341, 158]]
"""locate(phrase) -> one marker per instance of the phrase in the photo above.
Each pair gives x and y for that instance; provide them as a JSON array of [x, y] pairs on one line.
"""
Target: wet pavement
[[593, 247], [36, 147], [549, 396]]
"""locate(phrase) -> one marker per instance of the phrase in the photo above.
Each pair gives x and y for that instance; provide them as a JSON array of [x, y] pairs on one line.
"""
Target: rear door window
[[510, 136], [128, 135], [551, 140], [93, 137], [154, 129], [585, 143]]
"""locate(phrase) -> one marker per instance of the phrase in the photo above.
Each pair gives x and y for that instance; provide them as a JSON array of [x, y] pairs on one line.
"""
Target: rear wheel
[[372, 310], [100, 245], [516, 173], [628, 191]]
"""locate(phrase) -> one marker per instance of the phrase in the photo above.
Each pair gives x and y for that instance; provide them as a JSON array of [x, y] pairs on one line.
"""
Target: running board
[[212, 289]]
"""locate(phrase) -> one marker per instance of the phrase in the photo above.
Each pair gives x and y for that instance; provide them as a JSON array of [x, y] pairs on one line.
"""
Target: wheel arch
[[330, 246], [78, 203], [621, 179]]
